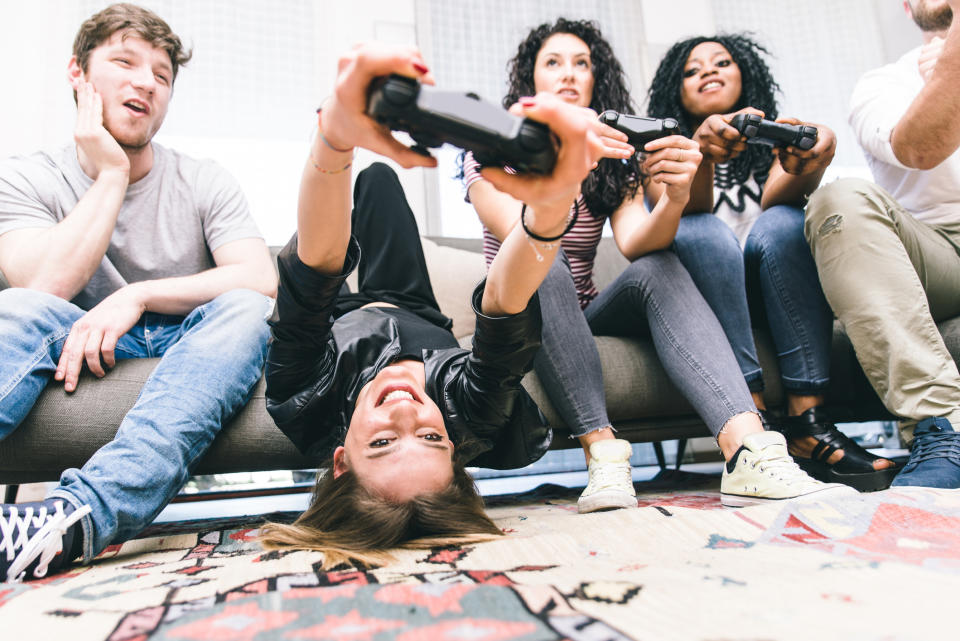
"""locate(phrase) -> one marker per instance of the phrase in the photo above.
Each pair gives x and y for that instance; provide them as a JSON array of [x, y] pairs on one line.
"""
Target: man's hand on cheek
[[94, 141]]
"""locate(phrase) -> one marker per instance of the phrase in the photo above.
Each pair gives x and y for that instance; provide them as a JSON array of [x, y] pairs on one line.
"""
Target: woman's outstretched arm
[[323, 214]]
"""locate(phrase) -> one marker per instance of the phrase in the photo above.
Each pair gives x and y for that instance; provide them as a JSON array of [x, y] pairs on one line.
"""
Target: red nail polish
[[419, 66], [527, 101]]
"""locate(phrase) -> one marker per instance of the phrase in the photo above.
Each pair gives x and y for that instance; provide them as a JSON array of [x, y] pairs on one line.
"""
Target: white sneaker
[[611, 480], [763, 472]]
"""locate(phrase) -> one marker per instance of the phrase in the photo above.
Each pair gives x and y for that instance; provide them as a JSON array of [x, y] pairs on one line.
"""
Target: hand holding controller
[[775, 134], [433, 117], [640, 130]]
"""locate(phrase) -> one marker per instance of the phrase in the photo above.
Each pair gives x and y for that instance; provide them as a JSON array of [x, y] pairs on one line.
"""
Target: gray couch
[[64, 430]]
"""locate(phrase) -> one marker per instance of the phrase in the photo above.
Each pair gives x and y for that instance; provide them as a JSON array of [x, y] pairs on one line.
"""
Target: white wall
[[260, 69], [247, 98]]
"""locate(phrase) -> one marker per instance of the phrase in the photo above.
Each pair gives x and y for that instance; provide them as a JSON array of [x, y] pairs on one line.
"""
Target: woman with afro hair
[[742, 229], [653, 297]]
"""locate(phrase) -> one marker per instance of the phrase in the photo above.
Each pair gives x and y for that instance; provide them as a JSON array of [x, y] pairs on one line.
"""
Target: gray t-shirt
[[170, 221]]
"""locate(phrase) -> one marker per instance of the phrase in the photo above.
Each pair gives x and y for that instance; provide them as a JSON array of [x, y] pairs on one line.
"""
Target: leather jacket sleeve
[[301, 358], [482, 391]]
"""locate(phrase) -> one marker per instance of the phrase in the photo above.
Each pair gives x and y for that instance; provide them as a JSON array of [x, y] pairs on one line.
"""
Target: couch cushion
[[64, 430], [454, 273]]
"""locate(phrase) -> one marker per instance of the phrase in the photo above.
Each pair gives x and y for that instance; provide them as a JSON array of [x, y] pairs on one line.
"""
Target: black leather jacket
[[316, 368]]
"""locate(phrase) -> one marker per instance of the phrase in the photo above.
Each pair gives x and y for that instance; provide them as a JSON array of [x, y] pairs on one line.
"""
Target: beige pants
[[889, 277]]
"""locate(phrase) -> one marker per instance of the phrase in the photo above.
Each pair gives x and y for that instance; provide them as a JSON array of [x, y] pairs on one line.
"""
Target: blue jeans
[[653, 297], [776, 272], [210, 361]]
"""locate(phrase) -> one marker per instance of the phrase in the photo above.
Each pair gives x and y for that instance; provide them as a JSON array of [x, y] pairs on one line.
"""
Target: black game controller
[[775, 134], [640, 130], [432, 117]]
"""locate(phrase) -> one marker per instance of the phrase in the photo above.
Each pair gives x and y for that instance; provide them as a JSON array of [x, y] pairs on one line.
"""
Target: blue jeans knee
[[33, 327], [709, 250], [781, 267]]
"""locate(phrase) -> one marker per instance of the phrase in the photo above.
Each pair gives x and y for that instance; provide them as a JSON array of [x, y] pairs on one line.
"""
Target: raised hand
[[343, 118], [615, 142], [94, 142], [673, 162], [799, 162], [929, 54], [719, 141]]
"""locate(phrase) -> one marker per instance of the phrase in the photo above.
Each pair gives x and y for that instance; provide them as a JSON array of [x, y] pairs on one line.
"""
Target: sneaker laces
[[605, 475], [936, 445], [45, 543], [782, 466]]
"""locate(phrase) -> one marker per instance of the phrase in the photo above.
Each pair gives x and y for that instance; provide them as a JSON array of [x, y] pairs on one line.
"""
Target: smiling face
[[563, 67], [397, 443], [711, 81], [134, 80]]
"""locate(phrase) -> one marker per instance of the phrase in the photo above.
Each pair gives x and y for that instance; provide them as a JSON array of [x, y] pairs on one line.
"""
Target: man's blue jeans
[[209, 362], [776, 272]]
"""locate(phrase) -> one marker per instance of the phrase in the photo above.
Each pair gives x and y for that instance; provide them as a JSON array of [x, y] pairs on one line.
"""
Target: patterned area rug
[[680, 566]]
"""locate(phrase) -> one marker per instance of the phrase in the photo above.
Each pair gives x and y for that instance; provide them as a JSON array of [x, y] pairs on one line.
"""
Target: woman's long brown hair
[[350, 524]]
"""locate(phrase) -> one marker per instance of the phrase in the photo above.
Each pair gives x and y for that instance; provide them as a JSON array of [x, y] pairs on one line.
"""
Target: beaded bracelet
[[331, 171]]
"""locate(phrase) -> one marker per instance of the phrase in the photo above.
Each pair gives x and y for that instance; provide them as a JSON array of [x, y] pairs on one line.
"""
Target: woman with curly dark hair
[[752, 196], [653, 297]]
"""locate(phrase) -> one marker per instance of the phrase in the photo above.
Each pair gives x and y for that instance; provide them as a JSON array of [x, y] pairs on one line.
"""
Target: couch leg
[[10, 494], [658, 450], [681, 448]]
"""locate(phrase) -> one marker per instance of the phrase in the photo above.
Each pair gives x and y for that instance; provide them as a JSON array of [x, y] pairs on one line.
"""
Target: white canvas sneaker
[[611, 480], [762, 472]]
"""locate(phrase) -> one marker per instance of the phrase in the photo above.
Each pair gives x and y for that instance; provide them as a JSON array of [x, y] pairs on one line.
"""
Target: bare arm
[[244, 263], [241, 264], [500, 212], [61, 259], [523, 262], [672, 165], [929, 131]]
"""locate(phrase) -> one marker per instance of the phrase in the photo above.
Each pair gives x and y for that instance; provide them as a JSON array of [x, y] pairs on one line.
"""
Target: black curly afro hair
[[758, 90]]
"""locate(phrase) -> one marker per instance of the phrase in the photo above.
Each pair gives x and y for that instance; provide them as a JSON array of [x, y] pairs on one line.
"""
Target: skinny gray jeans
[[654, 298]]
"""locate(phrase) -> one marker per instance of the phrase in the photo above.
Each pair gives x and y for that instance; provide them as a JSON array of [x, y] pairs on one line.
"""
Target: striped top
[[579, 244]]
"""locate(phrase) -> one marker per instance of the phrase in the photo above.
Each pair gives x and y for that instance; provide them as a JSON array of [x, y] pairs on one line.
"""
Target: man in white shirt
[[889, 255]]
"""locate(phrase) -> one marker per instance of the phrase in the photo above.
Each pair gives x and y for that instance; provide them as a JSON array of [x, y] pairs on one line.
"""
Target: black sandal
[[854, 469]]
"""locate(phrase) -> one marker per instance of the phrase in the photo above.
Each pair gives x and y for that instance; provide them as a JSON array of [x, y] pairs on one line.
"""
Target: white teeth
[[711, 85], [398, 393]]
